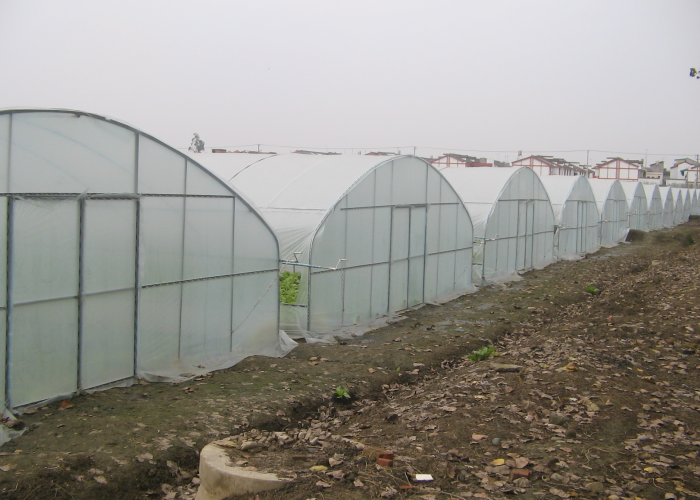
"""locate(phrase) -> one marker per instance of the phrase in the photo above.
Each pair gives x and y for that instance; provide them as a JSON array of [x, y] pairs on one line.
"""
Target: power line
[[432, 148]]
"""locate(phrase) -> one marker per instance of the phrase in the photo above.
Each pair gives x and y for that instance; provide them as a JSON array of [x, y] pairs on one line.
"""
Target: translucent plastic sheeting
[[678, 206], [667, 199], [575, 213], [206, 321], [4, 151], [254, 246], [227, 165], [696, 203], [255, 318], [208, 237], [43, 351], [688, 206], [109, 245], [199, 182], [161, 170], [386, 221], [158, 356], [613, 209], [107, 342], [655, 206], [685, 201], [45, 242], [512, 216], [70, 153], [109, 260], [3, 291], [161, 239], [164, 278], [637, 205]]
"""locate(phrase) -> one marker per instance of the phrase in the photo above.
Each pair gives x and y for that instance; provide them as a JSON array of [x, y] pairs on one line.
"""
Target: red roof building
[[547, 165], [455, 160], [617, 168]]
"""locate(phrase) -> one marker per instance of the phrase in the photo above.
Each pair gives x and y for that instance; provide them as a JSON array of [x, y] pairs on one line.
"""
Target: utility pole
[[587, 151], [414, 151], [646, 157]]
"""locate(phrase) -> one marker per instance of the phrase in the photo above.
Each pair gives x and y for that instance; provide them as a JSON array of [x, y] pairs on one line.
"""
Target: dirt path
[[606, 399]]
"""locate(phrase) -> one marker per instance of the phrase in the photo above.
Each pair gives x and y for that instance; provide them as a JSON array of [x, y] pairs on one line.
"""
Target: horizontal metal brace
[[296, 263]]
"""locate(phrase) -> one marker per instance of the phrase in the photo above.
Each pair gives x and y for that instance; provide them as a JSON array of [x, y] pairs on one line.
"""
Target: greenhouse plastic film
[[79, 316]]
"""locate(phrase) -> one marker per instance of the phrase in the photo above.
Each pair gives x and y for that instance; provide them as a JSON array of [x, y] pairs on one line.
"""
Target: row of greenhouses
[[123, 258]]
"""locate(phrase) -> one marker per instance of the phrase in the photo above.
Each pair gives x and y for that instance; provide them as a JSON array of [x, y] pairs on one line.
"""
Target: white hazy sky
[[543, 76]]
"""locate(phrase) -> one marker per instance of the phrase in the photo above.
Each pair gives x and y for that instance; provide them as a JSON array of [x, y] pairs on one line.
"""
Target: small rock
[[496, 441], [571, 433], [595, 487]]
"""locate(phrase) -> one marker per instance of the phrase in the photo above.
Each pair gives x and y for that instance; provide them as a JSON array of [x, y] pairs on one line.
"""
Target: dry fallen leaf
[[478, 437], [559, 493], [388, 492]]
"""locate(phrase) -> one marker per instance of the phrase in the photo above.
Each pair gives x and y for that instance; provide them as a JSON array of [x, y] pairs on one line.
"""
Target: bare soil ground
[[604, 401]]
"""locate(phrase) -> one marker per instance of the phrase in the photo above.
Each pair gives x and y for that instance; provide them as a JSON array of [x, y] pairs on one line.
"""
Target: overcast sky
[[543, 76]]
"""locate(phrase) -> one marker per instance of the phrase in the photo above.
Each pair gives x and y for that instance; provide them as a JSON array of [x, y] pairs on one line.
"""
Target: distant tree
[[197, 145], [694, 72]]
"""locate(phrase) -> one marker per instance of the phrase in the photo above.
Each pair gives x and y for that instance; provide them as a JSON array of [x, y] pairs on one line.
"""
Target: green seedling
[[593, 290], [289, 287], [483, 354], [341, 393]]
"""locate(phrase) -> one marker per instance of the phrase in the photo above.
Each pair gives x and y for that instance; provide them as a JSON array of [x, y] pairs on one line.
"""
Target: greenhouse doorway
[[407, 266], [526, 232]]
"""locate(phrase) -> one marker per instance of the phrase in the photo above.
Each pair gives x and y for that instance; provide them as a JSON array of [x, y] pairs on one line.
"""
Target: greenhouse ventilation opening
[[655, 206], [669, 209], [637, 206], [612, 205], [371, 235], [512, 216], [121, 258], [575, 213]]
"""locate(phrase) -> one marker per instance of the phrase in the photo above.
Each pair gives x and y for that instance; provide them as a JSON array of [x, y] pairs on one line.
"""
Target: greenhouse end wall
[[406, 239], [512, 216], [121, 258], [576, 215]]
